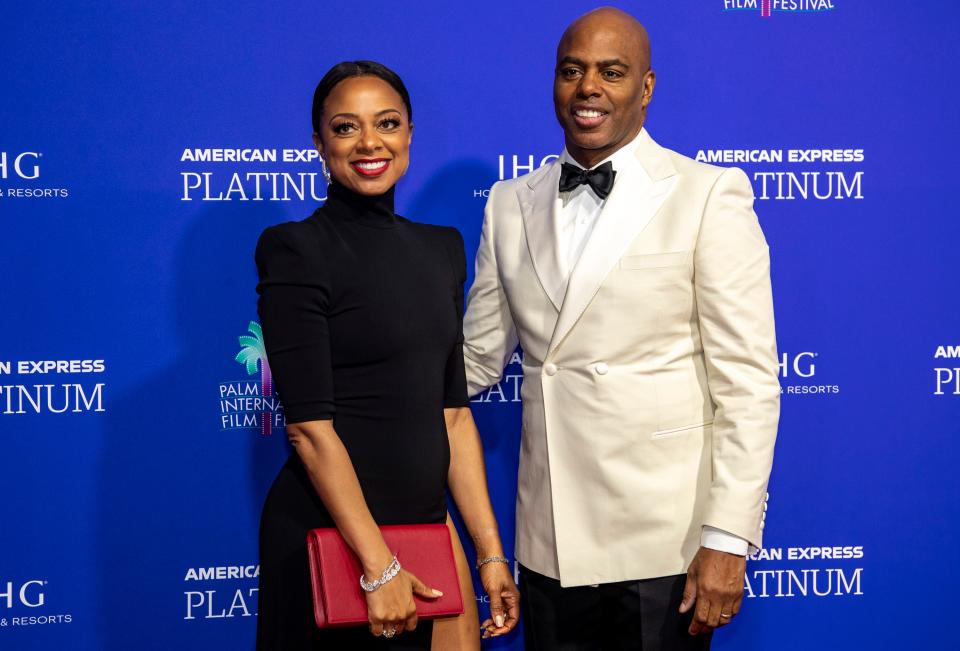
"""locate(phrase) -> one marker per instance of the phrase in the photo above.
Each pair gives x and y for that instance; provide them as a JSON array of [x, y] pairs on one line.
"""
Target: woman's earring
[[326, 172]]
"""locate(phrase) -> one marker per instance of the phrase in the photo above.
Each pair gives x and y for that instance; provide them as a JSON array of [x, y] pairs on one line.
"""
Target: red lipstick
[[370, 166]]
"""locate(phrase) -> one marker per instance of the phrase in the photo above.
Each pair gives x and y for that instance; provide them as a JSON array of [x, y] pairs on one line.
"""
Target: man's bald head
[[603, 83], [615, 21]]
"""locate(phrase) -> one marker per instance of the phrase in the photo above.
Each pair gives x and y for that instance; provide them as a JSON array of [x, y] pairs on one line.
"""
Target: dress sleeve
[[455, 391], [293, 307]]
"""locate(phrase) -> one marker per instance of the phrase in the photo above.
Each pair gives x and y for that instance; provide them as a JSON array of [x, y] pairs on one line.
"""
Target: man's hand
[[715, 585]]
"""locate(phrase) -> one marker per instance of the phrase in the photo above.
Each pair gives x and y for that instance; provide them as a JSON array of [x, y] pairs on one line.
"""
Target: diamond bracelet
[[393, 569], [492, 559]]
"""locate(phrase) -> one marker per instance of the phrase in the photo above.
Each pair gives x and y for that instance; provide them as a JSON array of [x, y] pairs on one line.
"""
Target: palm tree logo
[[251, 353]]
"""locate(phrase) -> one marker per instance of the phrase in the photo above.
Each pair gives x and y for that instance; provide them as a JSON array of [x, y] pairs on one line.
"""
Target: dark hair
[[347, 69]]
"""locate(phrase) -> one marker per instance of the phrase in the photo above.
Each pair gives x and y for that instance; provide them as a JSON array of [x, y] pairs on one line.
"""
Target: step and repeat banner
[[144, 146]]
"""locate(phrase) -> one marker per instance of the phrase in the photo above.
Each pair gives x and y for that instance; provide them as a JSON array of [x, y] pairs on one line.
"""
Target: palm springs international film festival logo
[[251, 403], [768, 7]]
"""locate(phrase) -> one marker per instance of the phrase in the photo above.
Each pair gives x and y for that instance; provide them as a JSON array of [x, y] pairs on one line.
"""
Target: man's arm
[[489, 335], [735, 308]]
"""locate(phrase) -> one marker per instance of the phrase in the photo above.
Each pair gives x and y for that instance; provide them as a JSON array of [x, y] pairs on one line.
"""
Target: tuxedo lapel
[[640, 189], [539, 205]]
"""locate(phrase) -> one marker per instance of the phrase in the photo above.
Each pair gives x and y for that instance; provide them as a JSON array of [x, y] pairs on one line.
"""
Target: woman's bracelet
[[393, 569], [491, 559]]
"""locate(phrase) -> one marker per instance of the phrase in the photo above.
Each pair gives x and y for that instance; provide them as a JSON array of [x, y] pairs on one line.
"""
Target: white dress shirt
[[581, 210]]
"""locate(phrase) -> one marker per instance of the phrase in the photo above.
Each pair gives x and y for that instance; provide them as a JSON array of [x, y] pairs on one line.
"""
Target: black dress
[[361, 312]]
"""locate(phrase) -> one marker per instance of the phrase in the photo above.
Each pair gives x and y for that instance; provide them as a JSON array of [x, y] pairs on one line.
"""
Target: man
[[637, 283]]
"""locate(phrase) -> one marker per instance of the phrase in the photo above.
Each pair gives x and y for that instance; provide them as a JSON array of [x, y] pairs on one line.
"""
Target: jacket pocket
[[655, 260], [678, 431]]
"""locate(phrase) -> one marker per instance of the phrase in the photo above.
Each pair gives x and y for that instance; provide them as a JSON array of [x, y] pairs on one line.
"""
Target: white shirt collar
[[618, 158]]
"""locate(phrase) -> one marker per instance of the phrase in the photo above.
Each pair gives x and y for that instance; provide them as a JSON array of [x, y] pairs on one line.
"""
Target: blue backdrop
[[134, 454]]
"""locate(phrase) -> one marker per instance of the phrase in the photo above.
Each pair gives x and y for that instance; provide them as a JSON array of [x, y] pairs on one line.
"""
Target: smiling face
[[603, 84], [364, 135]]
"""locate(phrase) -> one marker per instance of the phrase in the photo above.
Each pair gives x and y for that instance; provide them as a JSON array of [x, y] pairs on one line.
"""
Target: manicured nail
[[437, 592], [499, 620]]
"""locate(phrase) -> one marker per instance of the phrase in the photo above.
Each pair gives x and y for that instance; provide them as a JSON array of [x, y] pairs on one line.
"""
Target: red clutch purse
[[422, 549]]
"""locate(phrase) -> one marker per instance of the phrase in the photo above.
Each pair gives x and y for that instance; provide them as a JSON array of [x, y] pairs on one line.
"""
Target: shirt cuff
[[723, 541]]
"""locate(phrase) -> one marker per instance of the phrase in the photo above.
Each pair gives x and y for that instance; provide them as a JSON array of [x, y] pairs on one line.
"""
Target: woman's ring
[[389, 632], [725, 615]]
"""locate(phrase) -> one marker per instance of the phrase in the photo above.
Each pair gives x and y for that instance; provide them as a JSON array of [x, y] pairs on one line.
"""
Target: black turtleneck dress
[[361, 312]]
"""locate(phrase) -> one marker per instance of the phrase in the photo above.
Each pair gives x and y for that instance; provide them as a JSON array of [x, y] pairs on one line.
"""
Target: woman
[[361, 312]]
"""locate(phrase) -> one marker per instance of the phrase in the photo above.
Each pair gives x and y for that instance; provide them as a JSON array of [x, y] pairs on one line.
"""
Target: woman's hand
[[504, 599], [391, 609]]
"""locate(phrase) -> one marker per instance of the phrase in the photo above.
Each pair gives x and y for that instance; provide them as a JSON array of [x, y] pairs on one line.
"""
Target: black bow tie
[[599, 178]]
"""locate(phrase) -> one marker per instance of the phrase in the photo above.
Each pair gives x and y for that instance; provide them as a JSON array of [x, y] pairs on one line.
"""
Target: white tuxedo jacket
[[650, 392]]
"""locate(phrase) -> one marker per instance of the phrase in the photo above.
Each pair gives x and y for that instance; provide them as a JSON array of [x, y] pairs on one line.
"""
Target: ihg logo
[[24, 165], [29, 594]]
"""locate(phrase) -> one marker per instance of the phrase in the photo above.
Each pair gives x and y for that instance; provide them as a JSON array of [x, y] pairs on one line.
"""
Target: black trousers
[[625, 616]]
